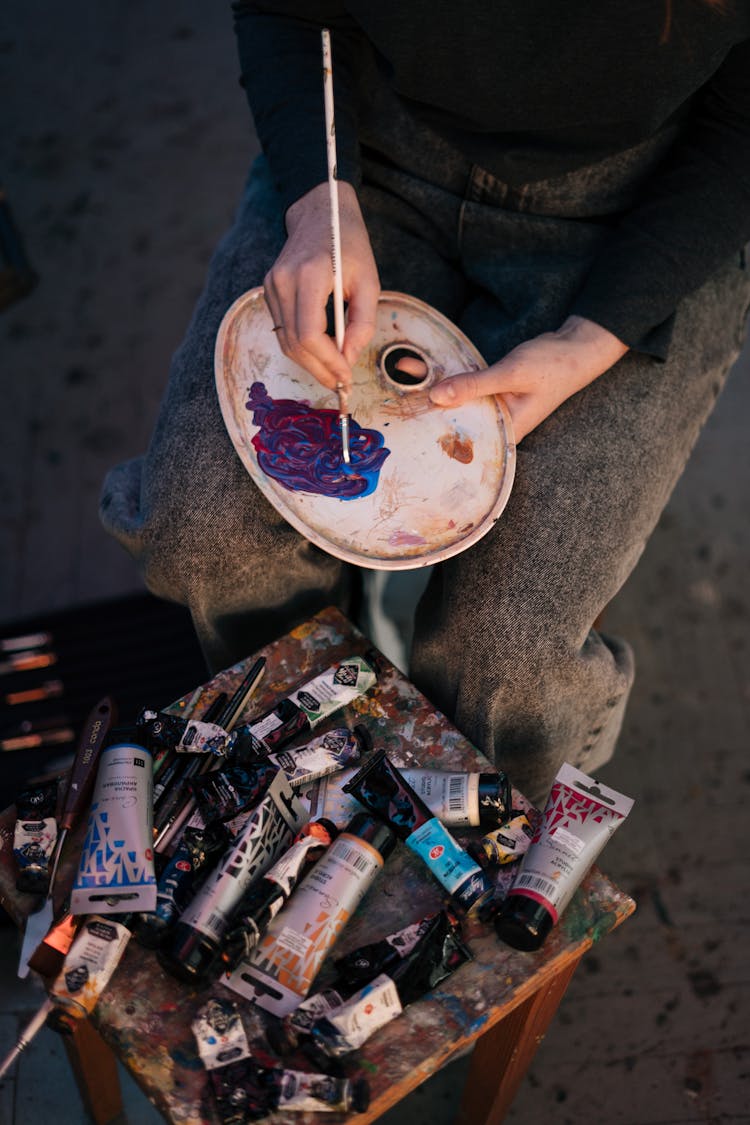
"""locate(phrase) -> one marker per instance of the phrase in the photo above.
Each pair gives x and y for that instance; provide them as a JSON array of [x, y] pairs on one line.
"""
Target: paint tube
[[462, 800], [305, 708], [94, 955], [410, 962], [263, 900], [225, 793], [194, 946], [159, 730], [49, 956], [457, 799], [34, 836], [197, 853], [504, 845], [281, 969], [116, 868], [578, 819], [326, 754], [246, 1090], [437, 954], [352, 971], [380, 787], [364, 963]]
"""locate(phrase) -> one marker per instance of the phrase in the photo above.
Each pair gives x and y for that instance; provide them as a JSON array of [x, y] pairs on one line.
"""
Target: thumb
[[461, 388]]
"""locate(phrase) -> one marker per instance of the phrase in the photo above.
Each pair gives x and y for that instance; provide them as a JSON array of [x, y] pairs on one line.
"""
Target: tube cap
[[523, 923], [495, 798], [374, 831]]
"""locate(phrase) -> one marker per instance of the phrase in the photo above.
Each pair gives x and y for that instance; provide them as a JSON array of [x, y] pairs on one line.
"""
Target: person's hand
[[540, 374], [299, 283]]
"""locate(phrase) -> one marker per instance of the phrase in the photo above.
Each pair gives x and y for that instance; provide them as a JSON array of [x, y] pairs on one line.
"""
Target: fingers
[[297, 306], [361, 316]]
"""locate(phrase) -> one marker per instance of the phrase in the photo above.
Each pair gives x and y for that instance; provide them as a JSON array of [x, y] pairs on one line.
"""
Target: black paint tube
[[438, 953], [225, 793], [352, 971], [262, 901], [304, 708], [196, 855], [159, 730], [246, 1091], [362, 965], [246, 1083], [34, 836], [335, 750], [380, 786]]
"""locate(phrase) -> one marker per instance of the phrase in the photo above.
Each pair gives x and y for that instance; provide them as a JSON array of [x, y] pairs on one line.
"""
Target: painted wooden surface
[[145, 1015]]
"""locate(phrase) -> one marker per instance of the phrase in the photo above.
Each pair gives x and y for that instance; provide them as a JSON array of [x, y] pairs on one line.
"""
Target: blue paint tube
[[380, 786], [116, 870], [197, 853]]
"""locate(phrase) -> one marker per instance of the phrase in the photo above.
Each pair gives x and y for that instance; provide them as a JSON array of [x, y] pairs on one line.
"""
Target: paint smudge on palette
[[458, 446], [299, 447]]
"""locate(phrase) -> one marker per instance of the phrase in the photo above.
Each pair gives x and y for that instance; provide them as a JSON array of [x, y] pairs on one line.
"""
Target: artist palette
[[424, 483]]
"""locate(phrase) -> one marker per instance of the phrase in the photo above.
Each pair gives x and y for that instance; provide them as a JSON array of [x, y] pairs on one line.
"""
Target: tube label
[[116, 869], [93, 958], [461, 876], [579, 817], [347, 1027], [282, 967], [451, 797], [267, 833]]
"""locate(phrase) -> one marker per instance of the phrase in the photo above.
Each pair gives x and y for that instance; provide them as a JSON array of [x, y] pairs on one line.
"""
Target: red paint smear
[[460, 449]]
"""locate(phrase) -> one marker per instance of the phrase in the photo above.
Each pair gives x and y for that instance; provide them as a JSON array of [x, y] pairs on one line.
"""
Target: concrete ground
[[124, 141]]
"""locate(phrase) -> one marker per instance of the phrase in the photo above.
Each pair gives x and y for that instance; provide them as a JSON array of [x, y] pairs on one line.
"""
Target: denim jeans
[[503, 642]]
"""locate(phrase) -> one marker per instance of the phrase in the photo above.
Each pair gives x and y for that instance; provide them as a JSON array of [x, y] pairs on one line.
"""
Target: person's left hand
[[538, 375]]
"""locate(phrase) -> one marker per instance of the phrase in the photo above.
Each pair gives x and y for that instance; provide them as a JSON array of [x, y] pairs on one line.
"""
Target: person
[[570, 185]]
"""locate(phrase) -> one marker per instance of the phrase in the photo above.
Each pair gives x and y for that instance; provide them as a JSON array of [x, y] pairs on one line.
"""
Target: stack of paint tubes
[[238, 852]]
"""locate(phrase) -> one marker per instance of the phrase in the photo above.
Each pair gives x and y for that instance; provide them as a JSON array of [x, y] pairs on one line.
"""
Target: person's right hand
[[299, 283]]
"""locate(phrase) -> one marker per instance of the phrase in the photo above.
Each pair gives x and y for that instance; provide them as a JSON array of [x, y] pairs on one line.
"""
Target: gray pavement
[[124, 141]]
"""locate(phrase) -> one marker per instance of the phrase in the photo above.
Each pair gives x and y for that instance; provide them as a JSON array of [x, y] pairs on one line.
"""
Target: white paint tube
[[281, 969], [458, 799], [93, 957], [116, 870], [580, 816]]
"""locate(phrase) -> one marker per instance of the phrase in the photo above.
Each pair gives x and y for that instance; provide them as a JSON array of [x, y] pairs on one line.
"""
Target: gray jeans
[[504, 642]]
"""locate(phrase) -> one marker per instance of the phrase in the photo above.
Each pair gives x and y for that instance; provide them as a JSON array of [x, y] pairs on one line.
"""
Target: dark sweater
[[528, 90]]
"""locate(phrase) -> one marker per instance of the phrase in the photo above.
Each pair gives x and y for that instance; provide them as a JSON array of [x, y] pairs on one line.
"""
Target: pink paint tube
[[578, 819]]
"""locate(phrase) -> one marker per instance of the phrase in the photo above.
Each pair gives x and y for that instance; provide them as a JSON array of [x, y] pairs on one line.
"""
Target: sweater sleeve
[[281, 70], [692, 215]]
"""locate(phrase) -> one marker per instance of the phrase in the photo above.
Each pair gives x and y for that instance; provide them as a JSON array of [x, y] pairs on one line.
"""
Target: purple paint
[[300, 448]]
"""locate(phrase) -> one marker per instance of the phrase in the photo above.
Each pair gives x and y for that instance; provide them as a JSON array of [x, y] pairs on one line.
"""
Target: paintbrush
[[227, 719], [78, 791], [333, 191], [32, 1028]]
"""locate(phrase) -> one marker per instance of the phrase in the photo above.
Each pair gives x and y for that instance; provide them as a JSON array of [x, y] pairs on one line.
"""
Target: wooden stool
[[500, 1003]]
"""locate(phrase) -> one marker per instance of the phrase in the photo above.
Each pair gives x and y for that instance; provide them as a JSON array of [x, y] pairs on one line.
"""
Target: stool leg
[[95, 1071], [502, 1055]]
